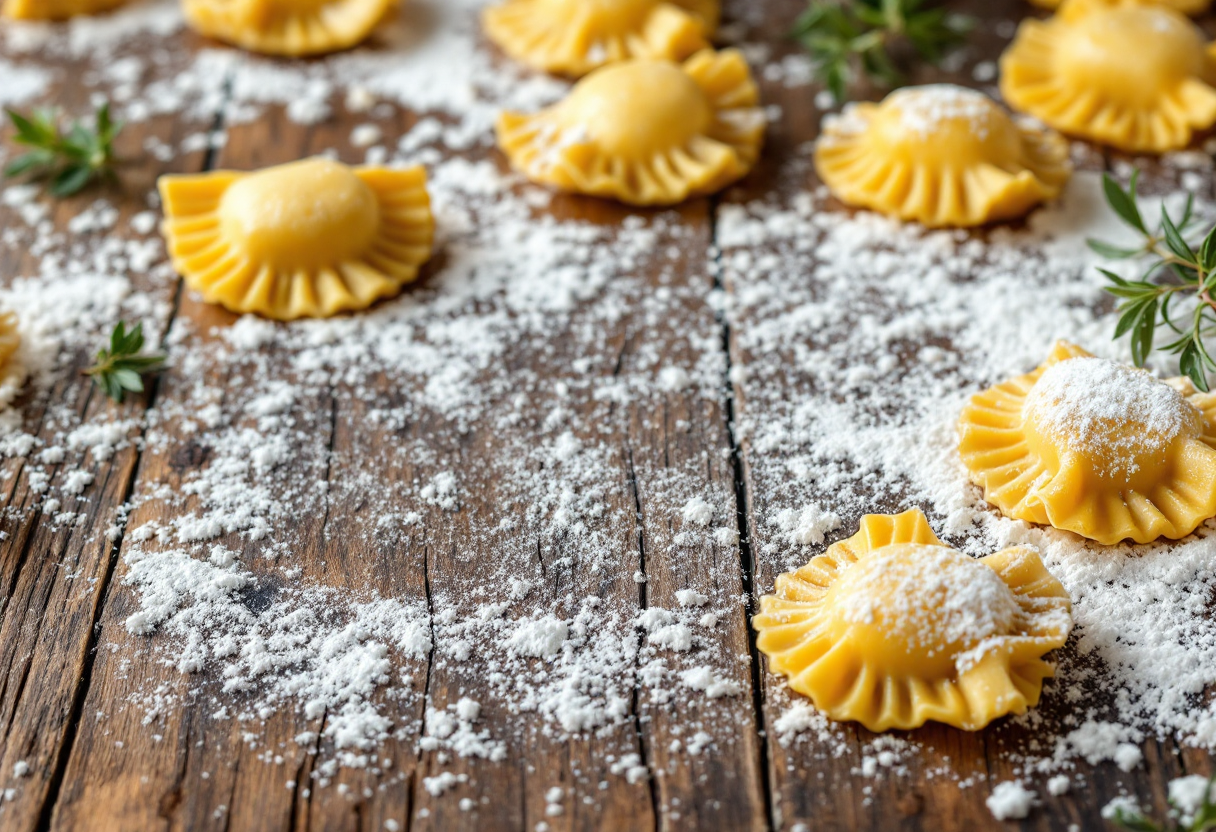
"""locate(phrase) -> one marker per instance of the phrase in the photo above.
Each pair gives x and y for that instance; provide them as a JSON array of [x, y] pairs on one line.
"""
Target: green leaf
[[121, 367], [1207, 251], [1123, 202], [1190, 363], [70, 180], [846, 38], [1129, 316], [1142, 333], [26, 163], [68, 160], [1174, 239], [1187, 212], [129, 379], [1112, 252]]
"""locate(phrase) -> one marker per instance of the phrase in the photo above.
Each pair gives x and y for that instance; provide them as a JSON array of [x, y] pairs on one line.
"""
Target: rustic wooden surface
[[61, 593]]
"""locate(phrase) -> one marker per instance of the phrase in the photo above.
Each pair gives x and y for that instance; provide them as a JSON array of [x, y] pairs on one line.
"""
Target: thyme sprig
[[121, 367], [849, 38], [1176, 268], [69, 160], [1204, 820]]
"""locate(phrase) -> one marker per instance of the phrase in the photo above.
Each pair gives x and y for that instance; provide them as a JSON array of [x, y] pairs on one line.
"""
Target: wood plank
[[659, 449], [55, 568], [815, 780]]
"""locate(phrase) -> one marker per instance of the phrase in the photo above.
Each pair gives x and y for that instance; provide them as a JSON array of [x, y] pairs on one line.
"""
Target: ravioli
[[1136, 77], [287, 27], [1094, 447], [55, 9], [645, 132], [892, 628], [940, 155], [1184, 6], [574, 37], [308, 239], [12, 369]]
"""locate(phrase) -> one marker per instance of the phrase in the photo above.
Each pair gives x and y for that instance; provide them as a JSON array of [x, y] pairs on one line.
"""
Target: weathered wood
[[76, 688], [810, 785], [54, 576]]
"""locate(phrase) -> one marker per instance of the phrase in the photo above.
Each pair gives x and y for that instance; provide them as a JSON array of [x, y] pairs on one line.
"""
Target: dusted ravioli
[[287, 27], [940, 155], [55, 9], [1133, 76], [891, 628], [1184, 6], [646, 132], [573, 37], [307, 239], [1096, 448], [12, 370]]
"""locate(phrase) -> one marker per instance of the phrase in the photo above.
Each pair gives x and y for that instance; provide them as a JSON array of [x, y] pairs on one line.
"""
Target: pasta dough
[[55, 9], [1184, 6], [573, 37], [287, 27], [1133, 76], [1096, 448], [891, 628], [306, 239], [12, 370], [940, 155], [646, 132]]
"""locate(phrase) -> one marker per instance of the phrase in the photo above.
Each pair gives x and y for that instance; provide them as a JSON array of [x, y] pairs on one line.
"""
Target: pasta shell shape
[[1074, 73], [287, 27], [574, 37], [940, 155], [12, 369], [1184, 6], [55, 9], [893, 629], [1095, 448], [309, 239], [645, 132]]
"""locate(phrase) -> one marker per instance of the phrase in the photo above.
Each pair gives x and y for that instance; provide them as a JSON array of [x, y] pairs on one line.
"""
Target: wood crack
[[80, 694], [747, 561], [643, 604]]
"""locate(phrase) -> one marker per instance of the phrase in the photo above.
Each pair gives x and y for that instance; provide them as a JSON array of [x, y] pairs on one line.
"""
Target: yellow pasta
[[1096, 448], [287, 27], [891, 628], [307, 239], [645, 132], [1184, 6], [1137, 77], [55, 9], [12, 370], [574, 37], [940, 155]]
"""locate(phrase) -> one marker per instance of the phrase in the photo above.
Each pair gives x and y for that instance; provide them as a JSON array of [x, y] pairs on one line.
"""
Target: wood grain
[[55, 576], [102, 757]]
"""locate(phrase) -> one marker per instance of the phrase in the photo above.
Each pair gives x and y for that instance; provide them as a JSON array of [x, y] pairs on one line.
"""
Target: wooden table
[[70, 667]]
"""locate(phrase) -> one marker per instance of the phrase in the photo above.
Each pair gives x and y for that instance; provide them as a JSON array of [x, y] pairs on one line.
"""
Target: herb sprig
[[848, 38], [69, 160], [1176, 267], [1204, 820], [121, 367]]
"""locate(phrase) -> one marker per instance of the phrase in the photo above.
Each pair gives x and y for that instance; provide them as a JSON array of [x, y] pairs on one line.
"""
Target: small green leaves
[[1173, 239], [1175, 267], [121, 368], [1124, 202], [847, 38], [68, 161]]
